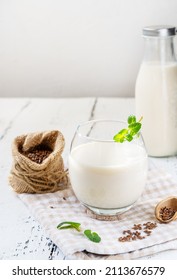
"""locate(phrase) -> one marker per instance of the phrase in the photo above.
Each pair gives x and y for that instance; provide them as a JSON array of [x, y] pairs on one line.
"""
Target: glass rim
[[84, 123]]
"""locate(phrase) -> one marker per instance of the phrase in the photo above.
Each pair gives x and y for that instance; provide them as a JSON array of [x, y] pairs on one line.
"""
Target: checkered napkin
[[54, 208]]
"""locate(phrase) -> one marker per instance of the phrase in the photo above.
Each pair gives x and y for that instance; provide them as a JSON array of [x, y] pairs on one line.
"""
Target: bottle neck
[[159, 49]]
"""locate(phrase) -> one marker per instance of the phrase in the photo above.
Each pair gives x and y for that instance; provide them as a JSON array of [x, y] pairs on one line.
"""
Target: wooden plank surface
[[21, 237]]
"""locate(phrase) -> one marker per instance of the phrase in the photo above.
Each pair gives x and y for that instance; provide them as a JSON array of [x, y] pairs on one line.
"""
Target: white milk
[[156, 101], [108, 175]]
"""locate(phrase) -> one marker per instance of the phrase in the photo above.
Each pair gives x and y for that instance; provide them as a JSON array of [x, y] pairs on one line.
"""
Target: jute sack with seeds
[[37, 163]]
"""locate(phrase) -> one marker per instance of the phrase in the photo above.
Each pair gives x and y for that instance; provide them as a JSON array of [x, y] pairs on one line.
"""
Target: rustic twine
[[27, 176]]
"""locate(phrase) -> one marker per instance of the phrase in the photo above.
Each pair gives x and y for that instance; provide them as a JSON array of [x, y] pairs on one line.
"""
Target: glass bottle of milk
[[156, 91]]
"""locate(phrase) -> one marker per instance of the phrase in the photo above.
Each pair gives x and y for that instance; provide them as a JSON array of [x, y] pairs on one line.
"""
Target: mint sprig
[[92, 236], [129, 133]]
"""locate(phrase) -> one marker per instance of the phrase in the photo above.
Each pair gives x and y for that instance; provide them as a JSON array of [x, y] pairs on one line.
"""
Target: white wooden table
[[21, 237]]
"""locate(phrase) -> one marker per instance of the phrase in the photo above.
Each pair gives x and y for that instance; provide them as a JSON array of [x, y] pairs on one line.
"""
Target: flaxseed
[[130, 235], [38, 154], [166, 213]]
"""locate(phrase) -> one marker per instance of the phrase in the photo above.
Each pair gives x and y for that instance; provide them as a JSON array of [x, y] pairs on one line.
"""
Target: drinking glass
[[107, 177]]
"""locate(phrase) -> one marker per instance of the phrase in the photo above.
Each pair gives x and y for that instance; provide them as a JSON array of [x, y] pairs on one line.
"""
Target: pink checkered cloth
[[53, 208]]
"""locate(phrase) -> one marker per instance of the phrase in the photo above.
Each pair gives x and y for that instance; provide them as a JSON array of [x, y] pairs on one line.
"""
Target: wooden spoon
[[169, 202]]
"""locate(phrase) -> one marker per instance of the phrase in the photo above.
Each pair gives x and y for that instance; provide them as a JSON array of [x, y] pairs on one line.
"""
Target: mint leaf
[[92, 236], [131, 119], [129, 137], [134, 128], [127, 134], [66, 225], [121, 135]]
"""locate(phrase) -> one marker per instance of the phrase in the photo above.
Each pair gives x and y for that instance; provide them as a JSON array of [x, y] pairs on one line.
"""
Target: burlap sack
[[27, 176]]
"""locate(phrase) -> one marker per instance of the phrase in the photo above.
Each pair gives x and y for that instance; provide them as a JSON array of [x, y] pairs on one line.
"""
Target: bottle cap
[[159, 31]]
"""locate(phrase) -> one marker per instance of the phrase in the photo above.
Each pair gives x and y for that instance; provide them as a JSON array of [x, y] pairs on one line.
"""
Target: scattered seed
[[148, 232], [137, 226], [150, 225], [130, 235]]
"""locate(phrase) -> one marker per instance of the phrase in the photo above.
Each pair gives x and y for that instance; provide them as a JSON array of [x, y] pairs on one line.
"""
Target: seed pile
[[166, 213], [138, 229], [38, 154]]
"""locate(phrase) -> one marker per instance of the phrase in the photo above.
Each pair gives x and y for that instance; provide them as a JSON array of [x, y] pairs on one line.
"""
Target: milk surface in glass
[[108, 175]]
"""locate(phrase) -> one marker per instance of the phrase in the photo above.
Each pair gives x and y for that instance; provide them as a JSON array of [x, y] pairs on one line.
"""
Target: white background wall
[[75, 47]]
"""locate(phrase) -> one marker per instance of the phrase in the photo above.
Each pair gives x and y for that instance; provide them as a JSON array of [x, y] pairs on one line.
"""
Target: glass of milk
[[107, 177]]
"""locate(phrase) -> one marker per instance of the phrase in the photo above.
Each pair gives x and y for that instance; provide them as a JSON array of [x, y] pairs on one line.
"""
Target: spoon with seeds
[[166, 209]]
